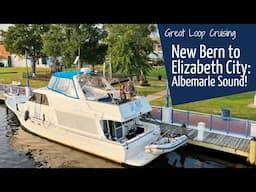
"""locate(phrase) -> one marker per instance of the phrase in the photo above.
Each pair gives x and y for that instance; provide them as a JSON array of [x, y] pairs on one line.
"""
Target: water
[[20, 149], [9, 158]]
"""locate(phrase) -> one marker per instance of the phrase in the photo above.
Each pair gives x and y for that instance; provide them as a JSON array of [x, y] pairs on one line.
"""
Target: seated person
[[122, 93], [130, 90]]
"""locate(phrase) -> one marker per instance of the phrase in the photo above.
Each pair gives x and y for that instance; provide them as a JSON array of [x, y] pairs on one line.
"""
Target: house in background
[[12, 60], [5, 56], [20, 61]]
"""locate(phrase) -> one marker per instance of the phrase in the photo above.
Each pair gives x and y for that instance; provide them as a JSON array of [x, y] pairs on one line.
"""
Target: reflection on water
[[9, 158], [197, 157], [20, 149], [54, 155]]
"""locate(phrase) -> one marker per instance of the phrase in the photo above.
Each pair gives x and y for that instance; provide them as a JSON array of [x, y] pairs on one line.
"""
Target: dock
[[237, 145], [11, 89]]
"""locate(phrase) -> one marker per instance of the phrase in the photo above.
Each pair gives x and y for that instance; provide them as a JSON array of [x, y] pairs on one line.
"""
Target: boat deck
[[10, 89]]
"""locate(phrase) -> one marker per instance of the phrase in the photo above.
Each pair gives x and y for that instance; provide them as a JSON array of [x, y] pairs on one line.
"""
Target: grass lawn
[[237, 103], [155, 86], [7, 75], [158, 71]]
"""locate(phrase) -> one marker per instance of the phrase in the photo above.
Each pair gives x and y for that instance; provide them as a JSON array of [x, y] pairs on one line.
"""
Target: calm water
[[9, 158], [19, 149]]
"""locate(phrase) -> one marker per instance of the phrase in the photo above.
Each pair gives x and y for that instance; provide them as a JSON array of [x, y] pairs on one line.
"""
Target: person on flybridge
[[130, 90]]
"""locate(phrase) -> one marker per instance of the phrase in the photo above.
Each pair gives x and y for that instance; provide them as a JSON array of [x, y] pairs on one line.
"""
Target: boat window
[[105, 127], [117, 124], [39, 98], [94, 81], [64, 86], [119, 132], [115, 128], [44, 100], [36, 97], [111, 124], [112, 129], [52, 82]]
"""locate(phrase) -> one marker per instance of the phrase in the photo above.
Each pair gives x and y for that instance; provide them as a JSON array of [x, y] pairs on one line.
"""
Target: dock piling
[[201, 129], [252, 151]]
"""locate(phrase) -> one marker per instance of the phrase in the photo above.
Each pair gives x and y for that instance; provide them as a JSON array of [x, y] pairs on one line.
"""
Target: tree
[[128, 48], [71, 43], [53, 42], [25, 37], [70, 40], [93, 50]]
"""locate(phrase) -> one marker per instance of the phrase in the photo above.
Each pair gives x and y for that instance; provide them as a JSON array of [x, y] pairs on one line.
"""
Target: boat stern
[[136, 155]]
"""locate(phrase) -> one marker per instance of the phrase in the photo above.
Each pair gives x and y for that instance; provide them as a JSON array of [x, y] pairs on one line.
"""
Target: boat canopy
[[63, 82]]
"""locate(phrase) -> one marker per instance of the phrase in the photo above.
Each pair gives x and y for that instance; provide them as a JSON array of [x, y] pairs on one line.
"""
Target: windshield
[[94, 81]]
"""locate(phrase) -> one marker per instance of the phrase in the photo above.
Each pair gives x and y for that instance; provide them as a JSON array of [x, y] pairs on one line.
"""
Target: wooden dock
[[241, 146]]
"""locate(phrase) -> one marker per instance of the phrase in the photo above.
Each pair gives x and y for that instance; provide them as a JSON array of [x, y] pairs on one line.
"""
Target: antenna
[[26, 57], [167, 95], [103, 70], [27, 89], [76, 60]]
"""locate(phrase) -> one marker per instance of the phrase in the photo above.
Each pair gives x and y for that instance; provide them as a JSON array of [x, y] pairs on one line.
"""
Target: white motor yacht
[[85, 112]]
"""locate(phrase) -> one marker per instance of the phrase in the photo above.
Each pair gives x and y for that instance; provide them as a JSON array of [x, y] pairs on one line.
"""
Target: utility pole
[[167, 95], [79, 53], [110, 67], [27, 89], [26, 57]]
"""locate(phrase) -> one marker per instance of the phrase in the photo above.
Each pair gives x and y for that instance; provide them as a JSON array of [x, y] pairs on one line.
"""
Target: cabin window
[[117, 124], [52, 82], [44, 100], [105, 127], [36, 98], [119, 132], [64, 86], [39, 98], [111, 128], [115, 129]]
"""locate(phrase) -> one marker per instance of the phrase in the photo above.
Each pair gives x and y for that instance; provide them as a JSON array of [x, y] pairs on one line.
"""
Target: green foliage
[[158, 71], [128, 48], [93, 50], [71, 43], [53, 41], [25, 37], [71, 40]]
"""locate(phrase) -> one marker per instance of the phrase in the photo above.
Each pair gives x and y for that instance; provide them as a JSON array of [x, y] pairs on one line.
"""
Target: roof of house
[[3, 53]]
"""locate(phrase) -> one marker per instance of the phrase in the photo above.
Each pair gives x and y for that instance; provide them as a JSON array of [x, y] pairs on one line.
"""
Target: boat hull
[[123, 153]]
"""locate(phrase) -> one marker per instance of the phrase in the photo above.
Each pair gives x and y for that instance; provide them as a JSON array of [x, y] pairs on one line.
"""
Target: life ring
[[26, 115]]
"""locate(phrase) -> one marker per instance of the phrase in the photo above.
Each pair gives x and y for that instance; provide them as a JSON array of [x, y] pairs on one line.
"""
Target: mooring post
[[200, 131], [252, 151]]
